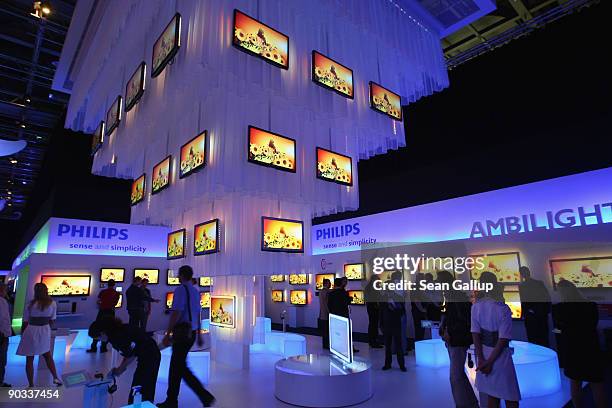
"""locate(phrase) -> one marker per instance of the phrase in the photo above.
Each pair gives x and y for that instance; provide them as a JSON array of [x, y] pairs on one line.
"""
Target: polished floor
[[419, 387]]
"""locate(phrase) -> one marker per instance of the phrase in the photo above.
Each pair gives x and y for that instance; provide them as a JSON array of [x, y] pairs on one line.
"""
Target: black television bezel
[[277, 274], [70, 276], [218, 239], [282, 293], [142, 67], [166, 300], [147, 269], [357, 290], [115, 125], [117, 281], [144, 189], [254, 53], [291, 251], [298, 284], [590, 258], [298, 290], [153, 191], [319, 274], [177, 44], [326, 179], [363, 269], [200, 298], [270, 165], [329, 88], [101, 126], [168, 257], [371, 97], [168, 277], [182, 175], [204, 286]]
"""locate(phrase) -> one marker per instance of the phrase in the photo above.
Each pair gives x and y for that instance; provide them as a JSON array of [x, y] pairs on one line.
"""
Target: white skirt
[[35, 340], [501, 382]]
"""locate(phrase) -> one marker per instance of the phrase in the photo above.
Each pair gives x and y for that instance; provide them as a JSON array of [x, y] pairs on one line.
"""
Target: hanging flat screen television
[[332, 75], [97, 139], [282, 235], [116, 274], [357, 297], [138, 190], [67, 285], [355, 271], [298, 297], [320, 277], [278, 296], [176, 244], [223, 311], [205, 281], [193, 155], [135, 87], [277, 278], [256, 38], [504, 265], [585, 273], [384, 101], [166, 46], [332, 166], [113, 115], [161, 175], [206, 238], [271, 149], [204, 299], [152, 275]]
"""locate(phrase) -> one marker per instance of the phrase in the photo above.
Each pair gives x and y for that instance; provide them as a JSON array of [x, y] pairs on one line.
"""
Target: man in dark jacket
[[372, 298], [535, 305], [338, 300], [393, 313], [135, 298]]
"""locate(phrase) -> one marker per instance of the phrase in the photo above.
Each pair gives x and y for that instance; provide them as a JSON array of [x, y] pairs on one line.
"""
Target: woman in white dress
[[38, 317], [492, 331]]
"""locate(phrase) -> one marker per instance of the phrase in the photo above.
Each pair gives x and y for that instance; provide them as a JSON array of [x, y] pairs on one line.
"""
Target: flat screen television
[[504, 265], [321, 276], [206, 238], [175, 246], [513, 300], [282, 235], [116, 274], [298, 279], [298, 297], [119, 302], [277, 278], [152, 275], [193, 155], [432, 265], [166, 46], [204, 299], [585, 273], [334, 167], [97, 139], [357, 297], [169, 299], [354, 271], [278, 296], [271, 149], [205, 281], [161, 175], [332, 75], [138, 190], [223, 311], [113, 115], [384, 101], [341, 337], [67, 285], [135, 87], [172, 278], [256, 38]]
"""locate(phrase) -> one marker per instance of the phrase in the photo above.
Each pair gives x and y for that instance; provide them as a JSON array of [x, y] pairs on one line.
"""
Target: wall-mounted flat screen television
[[384, 101], [161, 175], [271, 149], [432, 265], [193, 155], [138, 190], [357, 297], [341, 337], [205, 281], [175, 247], [504, 265], [298, 279], [278, 296], [113, 115], [169, 299], [119, 302], [97, 139], [152, 275], [298, 297], [67, 285], [116, 274], [585, 273], [166, 46], [204, 299], [206, 238], [320, 277], [513, 300], [256, 38], [354, 271], [334, 167], [282, 235], [172, 278], [277, 278], [332, 75], [223, 311], [135, 87]]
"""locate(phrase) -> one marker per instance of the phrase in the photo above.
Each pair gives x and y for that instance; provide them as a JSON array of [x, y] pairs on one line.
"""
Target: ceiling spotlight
[[24, 182], [23, 126], [28, 100], [46, 10], [9, 192], [41, 9], [13, 161]]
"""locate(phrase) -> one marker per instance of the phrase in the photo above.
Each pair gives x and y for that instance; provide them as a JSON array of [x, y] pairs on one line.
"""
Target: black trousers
[[137, 318], [373, 322], [324, 330], [417, 317], [102, 314], [536, 326], [180, 371], [146, 376], [394, 336]]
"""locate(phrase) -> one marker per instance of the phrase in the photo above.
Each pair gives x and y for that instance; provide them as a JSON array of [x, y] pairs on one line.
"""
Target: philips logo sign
[[88, 231], [338, 231]]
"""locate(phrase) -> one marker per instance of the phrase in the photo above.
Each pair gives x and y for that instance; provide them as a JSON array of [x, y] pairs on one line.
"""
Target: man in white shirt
[[5, 332]]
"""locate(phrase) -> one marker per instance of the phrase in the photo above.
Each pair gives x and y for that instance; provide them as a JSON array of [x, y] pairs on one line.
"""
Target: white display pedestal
[[197, 360], [431, 353], [313, 380], [284, 344]]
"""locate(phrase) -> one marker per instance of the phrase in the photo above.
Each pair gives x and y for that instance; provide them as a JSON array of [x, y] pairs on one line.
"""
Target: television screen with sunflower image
[[512, 298], [282, 235], [384, 101], [166, 46], [116, 274], [97, 139], [332, 75], [152, 275], [204, 299], [172, 278], [298, 279], [176, 244], [334, 167], [271, 149], [585, 273], [504, 265], [161, 175], [354, 271], [277, 278], [223, 311], [278, 296], [193, 155], [138, 190], [206, 237], [298, 297], [134, 89], [113, 115], [258, 39], [169, 299], [320, 277], [67, 285], [205, 281], [357, 297]]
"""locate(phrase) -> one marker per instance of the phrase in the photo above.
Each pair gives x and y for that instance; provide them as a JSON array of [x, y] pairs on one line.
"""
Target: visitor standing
[[5, 331], [146, 302], [135, 299], [535, 306], [323, 320], [394, 324], [107, 300], [372, 297]]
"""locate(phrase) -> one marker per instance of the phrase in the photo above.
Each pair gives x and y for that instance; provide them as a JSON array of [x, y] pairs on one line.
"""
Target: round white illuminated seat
[[282, 343], [312, 380]]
